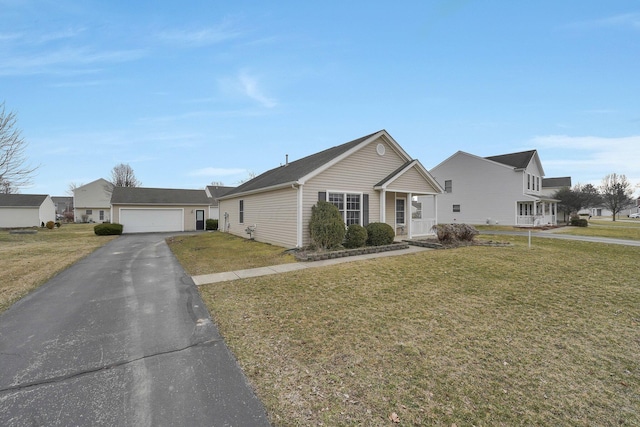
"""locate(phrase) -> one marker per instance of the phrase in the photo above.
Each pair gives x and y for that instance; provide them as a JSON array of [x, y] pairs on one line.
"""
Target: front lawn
[[206, 253], [479, 336], [29, 260], [629, 230]]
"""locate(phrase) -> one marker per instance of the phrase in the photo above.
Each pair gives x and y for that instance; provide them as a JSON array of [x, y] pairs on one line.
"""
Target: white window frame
[[344, 210]]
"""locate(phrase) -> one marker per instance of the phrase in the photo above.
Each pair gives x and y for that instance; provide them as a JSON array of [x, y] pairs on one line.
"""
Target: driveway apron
[[120, 338]]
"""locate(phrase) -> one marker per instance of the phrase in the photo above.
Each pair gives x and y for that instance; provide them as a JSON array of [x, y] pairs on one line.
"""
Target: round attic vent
[[380, 149]]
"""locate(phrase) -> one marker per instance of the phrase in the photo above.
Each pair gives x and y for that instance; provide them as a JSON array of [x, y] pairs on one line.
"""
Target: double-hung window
[[241, 212], [349, 205]]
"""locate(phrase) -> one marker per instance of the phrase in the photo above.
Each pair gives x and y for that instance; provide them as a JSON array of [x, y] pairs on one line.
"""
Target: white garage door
[[151, 220]]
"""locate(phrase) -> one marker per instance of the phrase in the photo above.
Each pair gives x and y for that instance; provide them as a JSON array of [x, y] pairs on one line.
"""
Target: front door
[[400, 216], [199, 220]]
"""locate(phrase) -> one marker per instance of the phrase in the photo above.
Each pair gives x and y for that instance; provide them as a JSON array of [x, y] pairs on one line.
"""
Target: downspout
[[299, 226]]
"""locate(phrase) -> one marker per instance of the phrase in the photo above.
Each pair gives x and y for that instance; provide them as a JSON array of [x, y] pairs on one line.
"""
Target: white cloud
[[200, 37], [247, 86], [64, 59], [588, 159], [217, 172], [624, 20], [252, 90]]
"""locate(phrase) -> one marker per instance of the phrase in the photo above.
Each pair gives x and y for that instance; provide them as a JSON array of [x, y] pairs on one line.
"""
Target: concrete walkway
[[284, 268]]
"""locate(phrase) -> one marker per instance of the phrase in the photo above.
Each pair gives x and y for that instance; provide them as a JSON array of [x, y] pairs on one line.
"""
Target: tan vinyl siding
[[189, 212], [358, 173], [411, 182], [273, 213]]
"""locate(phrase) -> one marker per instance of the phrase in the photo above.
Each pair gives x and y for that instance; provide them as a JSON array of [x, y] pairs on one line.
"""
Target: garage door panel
[[151, 220]]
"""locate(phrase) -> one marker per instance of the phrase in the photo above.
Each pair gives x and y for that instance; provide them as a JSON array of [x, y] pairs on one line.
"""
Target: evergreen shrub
[[326, 226], [356, 236], [107, 229], [379, 233]]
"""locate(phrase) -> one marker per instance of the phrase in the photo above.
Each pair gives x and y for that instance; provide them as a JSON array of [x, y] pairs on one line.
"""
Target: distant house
[[26, 210], [92, 201], [550, 186], [370, 179], [146, 210], [64, 205], [505, 189], [213, 192]]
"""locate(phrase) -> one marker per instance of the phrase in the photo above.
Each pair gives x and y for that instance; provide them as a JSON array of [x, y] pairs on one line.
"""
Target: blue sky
[[189, 93]]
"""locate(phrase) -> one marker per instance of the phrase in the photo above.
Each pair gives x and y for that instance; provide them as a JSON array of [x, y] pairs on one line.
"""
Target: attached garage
[[151, 220], [158, 210]]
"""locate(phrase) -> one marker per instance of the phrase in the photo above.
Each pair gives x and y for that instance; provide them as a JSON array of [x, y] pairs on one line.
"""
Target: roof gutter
[[260, 190]]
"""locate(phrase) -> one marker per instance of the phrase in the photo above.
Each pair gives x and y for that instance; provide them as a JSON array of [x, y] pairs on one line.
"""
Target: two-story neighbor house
[[504, 189], [370, 179], [92, 201]]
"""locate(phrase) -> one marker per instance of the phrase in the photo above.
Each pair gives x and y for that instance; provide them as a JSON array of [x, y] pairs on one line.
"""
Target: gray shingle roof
[[295, 170], [22, 200], [517, 160], [393, 174], [564, 181], [217, 191], [158, 196]]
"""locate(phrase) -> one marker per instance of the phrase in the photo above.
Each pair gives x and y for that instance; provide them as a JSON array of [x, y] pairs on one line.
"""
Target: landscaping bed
[[306, 255]]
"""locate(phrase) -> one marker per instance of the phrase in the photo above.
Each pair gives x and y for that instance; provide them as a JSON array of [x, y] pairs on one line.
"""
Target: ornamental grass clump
[[450, 233], [326, 226]]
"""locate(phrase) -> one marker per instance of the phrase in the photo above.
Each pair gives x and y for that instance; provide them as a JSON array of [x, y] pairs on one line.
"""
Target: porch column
[[383, 199], [409, 214]]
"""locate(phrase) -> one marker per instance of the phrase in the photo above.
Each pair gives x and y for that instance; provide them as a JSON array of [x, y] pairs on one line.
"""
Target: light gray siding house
[[370, 179], [92, 201], [152, 210], [549, 188], [26, 210], [505, 189]]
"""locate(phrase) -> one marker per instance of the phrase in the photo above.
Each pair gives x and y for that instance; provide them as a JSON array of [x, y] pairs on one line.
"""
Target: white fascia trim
[[261, 190], [422, 171]]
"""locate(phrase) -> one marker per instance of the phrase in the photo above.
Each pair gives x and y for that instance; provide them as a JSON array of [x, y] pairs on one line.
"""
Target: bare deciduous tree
[[122, 176], [15, 172], [616, 193]]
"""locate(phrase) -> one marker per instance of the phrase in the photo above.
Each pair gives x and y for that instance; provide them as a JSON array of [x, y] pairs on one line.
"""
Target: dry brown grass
[[29, 260], [471, 336], [207, 253]]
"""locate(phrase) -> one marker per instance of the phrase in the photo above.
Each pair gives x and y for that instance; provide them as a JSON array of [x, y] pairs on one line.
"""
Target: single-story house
[[369, 179], [213, 192], [91, 202], [147, 210], [26, 210]]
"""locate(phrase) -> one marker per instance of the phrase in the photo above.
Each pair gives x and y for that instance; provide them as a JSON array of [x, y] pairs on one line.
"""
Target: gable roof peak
[[519, 160]]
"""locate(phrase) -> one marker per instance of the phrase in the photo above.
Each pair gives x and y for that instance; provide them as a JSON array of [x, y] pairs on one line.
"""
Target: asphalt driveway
[[120, 338]]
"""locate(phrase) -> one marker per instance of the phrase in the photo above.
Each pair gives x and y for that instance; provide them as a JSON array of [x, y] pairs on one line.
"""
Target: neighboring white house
[[370, 179], [505, 189], [92, 201], [213, 192], [550, 186], [26, 210]]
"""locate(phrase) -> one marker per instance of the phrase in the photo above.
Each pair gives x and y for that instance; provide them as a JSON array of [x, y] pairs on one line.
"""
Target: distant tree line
[[614, 194]]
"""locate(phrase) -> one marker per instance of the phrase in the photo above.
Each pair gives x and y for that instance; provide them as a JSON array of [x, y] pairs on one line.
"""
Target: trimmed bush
[[326, 226], [50, 225], [579, 222], [107, 229], [356, 236], [211, 224], [380, 233]]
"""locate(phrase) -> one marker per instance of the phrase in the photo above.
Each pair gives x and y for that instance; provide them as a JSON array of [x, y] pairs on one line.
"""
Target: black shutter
[[322, 195], [365, 210]]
